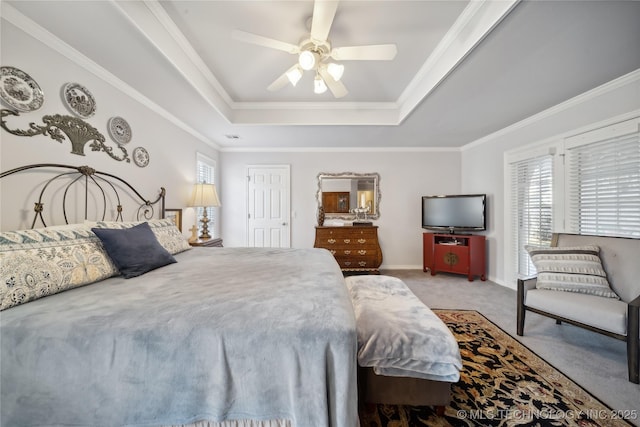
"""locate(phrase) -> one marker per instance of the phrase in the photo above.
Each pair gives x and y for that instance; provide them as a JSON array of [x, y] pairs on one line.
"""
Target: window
[[531, 208], [205, 172], [603, 180], [587, 183]]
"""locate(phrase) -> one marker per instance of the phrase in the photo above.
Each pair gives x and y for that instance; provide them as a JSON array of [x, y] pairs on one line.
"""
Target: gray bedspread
[[398, 335], [226, 333]]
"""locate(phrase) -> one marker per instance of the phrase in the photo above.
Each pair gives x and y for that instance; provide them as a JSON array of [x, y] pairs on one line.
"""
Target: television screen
[[454, 212]]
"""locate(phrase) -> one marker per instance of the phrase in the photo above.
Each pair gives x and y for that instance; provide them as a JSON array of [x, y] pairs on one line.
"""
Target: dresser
[[355, 248]]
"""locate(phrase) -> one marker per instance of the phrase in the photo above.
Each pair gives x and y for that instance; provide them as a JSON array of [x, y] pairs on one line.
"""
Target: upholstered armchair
[[617, 318]]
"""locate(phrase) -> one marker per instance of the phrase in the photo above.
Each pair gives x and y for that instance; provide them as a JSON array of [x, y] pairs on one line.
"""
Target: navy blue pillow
[[134, 250]]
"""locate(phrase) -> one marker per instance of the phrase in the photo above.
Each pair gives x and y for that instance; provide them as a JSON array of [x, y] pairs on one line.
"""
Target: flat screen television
[[452, 213]]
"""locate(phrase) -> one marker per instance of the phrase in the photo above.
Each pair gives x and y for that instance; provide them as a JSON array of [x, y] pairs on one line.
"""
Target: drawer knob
[[333, 251], [332, 241], [347, 240], [362, 241], [362, 263], [362, 252], [347, 252], [347, 263]]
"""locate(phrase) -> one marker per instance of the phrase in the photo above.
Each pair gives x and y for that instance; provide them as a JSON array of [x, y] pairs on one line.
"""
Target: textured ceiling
[[463, 69]]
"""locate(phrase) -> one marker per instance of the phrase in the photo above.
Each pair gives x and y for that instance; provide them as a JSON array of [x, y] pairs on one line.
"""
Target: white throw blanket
[[398, 335]]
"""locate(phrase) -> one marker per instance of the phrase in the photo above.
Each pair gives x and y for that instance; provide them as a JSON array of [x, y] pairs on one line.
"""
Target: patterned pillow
[[165, 230], [572, 269], [40, 262]]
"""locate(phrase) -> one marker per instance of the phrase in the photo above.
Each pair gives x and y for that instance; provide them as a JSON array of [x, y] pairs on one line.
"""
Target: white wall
[[172, 150], [483, 161], [405, 175], [404, 178]]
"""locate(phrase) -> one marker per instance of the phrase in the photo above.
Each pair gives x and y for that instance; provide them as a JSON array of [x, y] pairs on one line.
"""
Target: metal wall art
[[79, 100], [76, 130], [19, 90]]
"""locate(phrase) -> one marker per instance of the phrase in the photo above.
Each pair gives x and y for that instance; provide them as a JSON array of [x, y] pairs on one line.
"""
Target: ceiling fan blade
[[336, 87], [281, 81], [323, 13], [265, 41], [375, 52]]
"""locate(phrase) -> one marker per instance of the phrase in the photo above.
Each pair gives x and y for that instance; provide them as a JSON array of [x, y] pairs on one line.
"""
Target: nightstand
[[207, 242]]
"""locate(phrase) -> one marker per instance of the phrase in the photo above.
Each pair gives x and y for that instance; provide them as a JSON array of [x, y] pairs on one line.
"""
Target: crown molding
[[340, 150], [315, 105], [13, 16], [153, 22], [622, 81], [475, 22], [478, 19]]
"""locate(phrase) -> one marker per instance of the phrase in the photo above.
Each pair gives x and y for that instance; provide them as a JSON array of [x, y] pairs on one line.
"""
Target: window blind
[[603, 181], [205, 173], [532, 208]]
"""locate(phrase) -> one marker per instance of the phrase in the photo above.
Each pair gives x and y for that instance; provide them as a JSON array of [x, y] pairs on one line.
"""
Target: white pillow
[[165, 230]]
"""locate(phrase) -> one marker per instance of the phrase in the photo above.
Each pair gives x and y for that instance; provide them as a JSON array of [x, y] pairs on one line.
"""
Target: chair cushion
[[573, 269], [611, 313], [619, 257]]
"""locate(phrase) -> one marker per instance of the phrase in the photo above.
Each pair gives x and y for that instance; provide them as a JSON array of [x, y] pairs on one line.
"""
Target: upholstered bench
[[615, 317], [406, 354]]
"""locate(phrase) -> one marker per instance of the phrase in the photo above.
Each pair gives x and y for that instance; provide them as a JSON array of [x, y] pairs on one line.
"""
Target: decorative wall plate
[[119, 130], [19, 90], [140, 157], [79, 100]]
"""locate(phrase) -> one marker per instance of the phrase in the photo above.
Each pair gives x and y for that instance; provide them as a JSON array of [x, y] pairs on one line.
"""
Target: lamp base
[[205, 226]]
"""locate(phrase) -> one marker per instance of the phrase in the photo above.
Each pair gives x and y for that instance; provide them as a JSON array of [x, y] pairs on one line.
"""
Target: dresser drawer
[[354, 253], [350, 246], [354, 263], [327, 237], [354, 248]]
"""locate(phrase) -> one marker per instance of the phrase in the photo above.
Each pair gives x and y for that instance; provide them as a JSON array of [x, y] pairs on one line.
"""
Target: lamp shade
[[204, 195]]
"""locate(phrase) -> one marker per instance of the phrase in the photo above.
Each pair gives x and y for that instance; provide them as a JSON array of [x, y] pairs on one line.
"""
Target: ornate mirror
[[341, 193]]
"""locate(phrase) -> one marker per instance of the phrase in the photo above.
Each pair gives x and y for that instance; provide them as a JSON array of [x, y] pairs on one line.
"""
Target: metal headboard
[[105, 183]]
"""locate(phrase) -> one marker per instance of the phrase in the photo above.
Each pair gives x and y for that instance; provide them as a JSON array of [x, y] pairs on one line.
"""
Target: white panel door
[[268, 206]]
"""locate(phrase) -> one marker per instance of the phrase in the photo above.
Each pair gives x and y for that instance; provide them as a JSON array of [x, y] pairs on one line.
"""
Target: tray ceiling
[[463, 69]]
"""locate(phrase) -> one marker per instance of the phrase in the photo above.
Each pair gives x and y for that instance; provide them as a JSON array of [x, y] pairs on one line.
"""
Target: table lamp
[[204, 196]]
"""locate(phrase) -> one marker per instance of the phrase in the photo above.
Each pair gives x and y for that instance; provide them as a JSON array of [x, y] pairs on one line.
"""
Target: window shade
[[205, 172], [603, 181], [532, 208]]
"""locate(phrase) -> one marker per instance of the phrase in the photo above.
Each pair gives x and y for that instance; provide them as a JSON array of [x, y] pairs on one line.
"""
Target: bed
[[122, 323], [222, 336]]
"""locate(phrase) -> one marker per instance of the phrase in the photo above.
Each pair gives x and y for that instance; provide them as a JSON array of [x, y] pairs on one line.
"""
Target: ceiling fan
[[315, 52]]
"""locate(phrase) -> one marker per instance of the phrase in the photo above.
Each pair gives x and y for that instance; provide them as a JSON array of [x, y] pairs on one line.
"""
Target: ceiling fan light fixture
[[319, 85], [307, 59], [294, 75], [335, 70]]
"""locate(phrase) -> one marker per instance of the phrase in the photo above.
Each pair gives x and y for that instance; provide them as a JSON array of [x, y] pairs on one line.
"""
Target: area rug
[[502, 383]]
